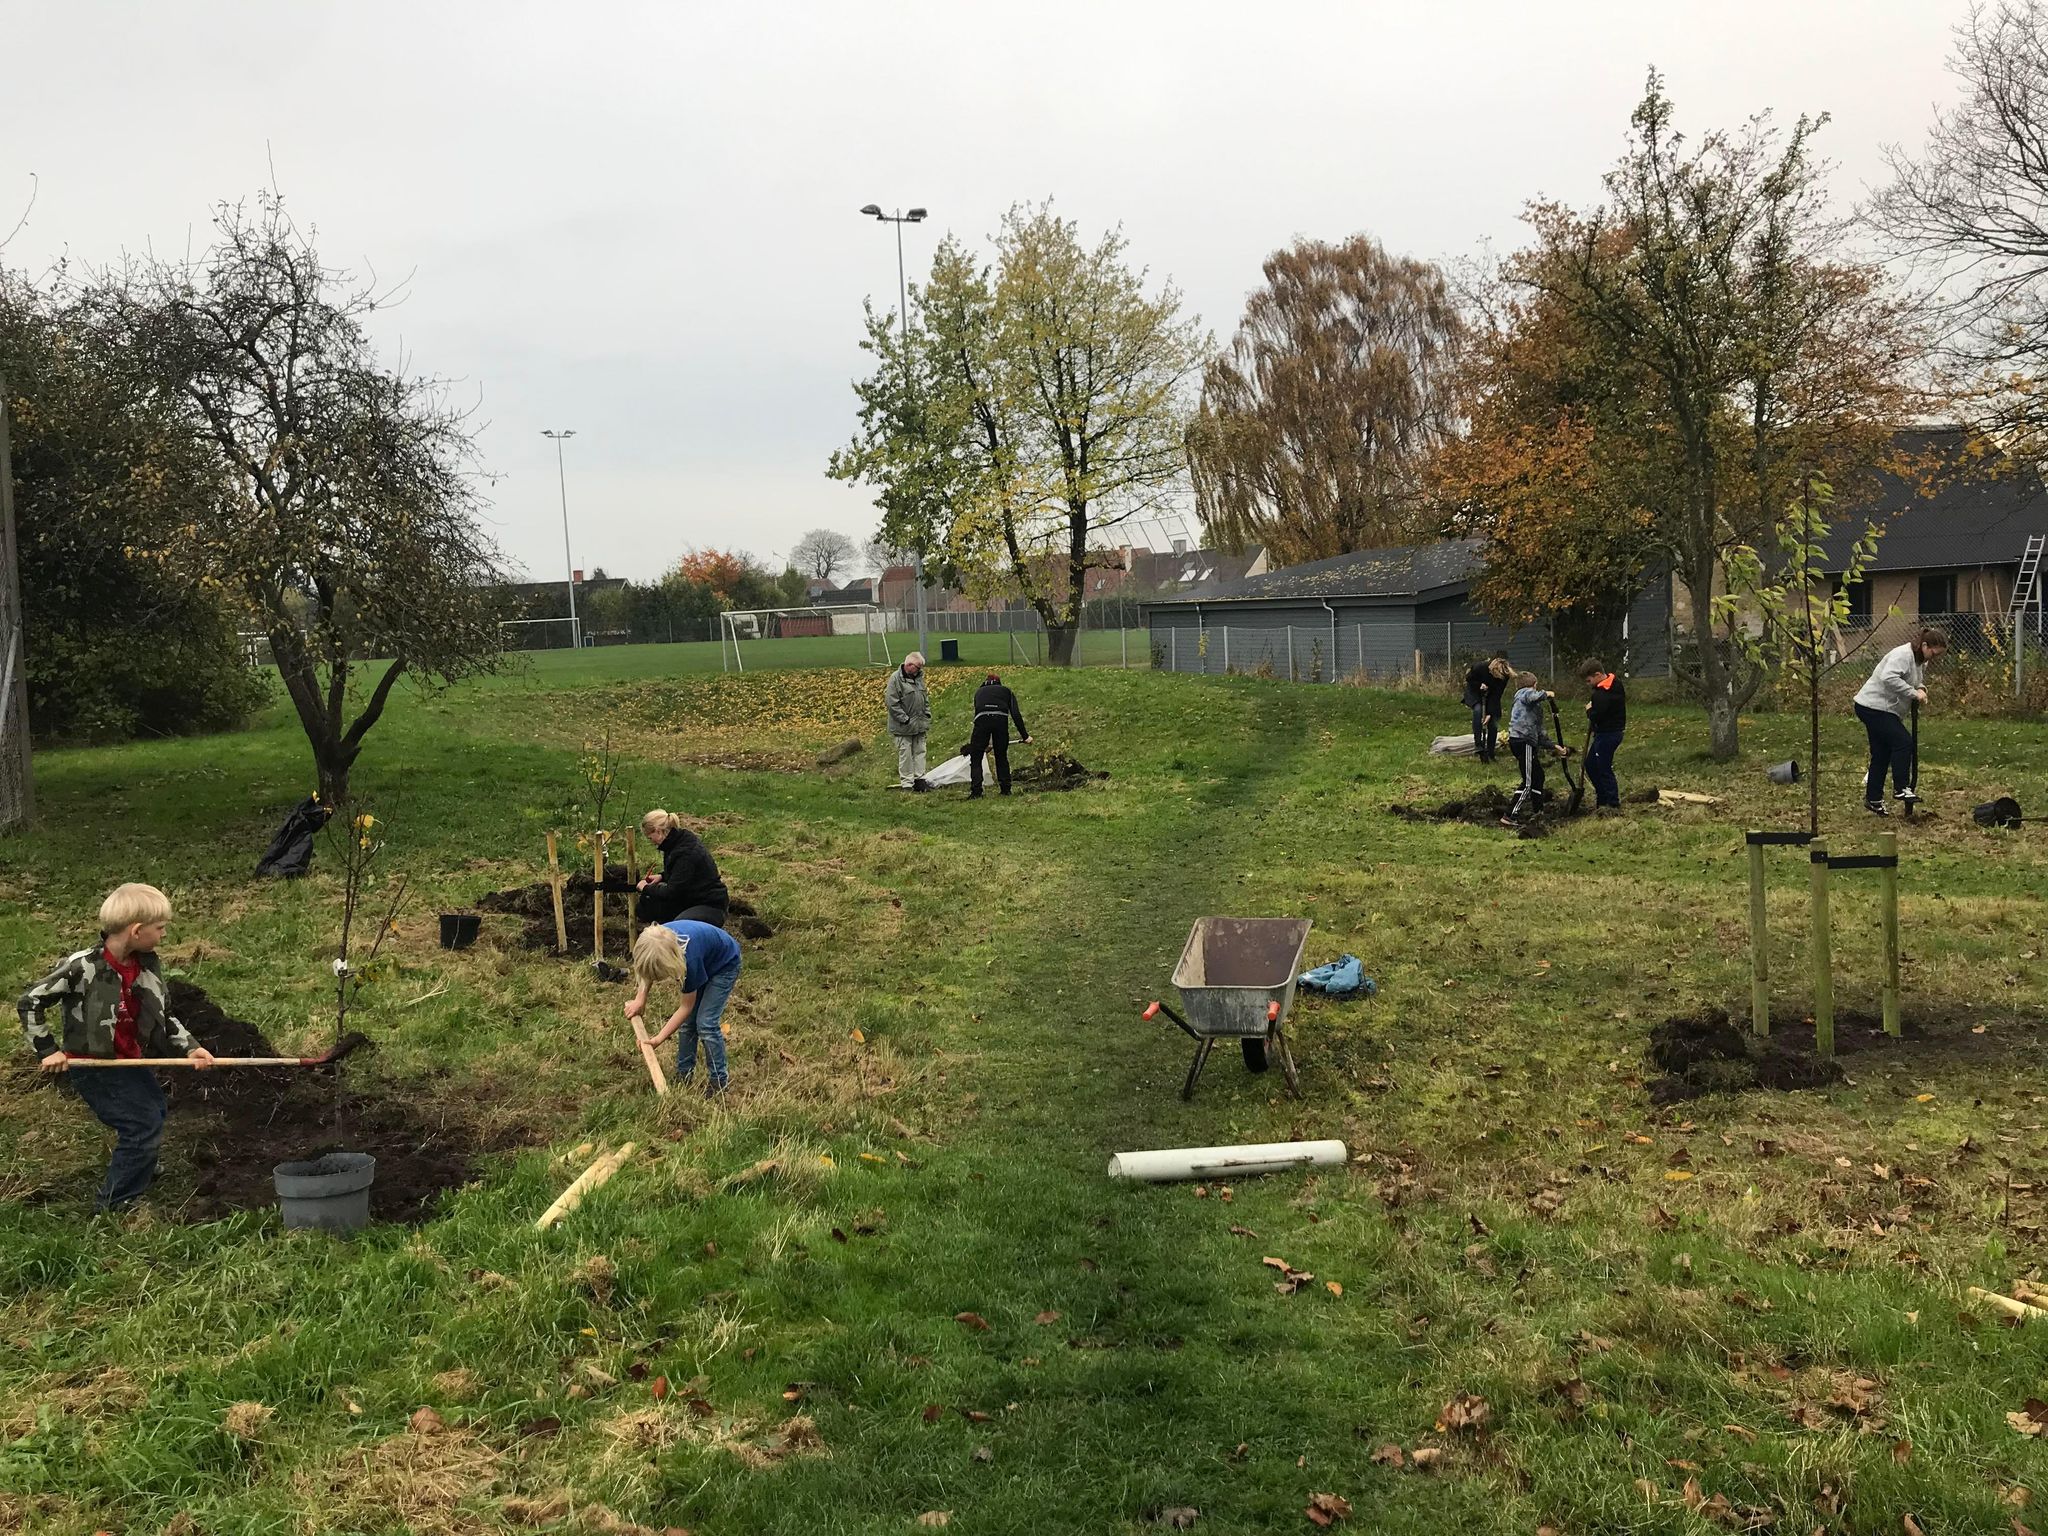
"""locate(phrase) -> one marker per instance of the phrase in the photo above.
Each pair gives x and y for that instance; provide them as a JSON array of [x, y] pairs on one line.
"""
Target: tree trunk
[[1717, 679], [333, 761], [1059, 643]]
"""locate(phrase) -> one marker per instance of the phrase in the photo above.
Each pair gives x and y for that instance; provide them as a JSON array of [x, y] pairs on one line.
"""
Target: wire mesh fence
[[1381, 651]]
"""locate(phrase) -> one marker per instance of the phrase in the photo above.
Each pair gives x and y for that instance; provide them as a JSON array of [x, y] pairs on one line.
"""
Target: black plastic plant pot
[[459, 929], [326, 1194]]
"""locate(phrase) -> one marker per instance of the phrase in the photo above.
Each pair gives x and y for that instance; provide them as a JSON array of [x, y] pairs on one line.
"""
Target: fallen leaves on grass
[[1389, 1456], [934, 1519], [972, 1320], [427, 1422], [1046, 1319], [458, 1385], [2030, 1420], [1423, 1457], [1464, 1412], [1242, 1232], [1291, 1279], [245, 1420], [1182, 1518], [1326, 1509]]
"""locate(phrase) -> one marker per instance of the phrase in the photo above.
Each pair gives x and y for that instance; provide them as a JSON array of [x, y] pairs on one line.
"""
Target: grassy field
[[1094, 648], [1746, 1311]]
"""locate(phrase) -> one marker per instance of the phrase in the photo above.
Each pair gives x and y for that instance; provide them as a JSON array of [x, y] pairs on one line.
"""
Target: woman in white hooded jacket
[[1882, 704]]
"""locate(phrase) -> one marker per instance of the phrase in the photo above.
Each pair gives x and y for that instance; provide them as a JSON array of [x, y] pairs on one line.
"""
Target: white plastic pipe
[[1172, 1163]]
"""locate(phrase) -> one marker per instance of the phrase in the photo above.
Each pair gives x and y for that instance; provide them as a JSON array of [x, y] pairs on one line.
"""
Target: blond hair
[[658, 824], [128, 905], [659, 955]]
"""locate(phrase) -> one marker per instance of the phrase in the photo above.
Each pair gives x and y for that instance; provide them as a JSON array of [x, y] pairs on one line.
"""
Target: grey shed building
[[1372, 614]]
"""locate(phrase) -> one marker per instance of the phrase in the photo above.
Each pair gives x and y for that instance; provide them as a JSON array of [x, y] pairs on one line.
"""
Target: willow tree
[[345, 518], [1738, 348], [1039, 402], [1317, 420]]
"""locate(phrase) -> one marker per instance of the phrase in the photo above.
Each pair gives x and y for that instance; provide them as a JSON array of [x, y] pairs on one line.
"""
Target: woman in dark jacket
[[688, 886]]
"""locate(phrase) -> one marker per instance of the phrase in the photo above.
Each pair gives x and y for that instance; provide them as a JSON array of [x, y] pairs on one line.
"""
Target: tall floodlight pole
[[899, 219], [568, 560]]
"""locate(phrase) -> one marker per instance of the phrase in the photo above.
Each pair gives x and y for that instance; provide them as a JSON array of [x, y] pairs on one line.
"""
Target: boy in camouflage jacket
[[113, 1006]]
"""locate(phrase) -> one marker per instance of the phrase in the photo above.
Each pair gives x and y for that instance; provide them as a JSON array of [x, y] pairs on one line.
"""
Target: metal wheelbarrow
[[1236, 981]]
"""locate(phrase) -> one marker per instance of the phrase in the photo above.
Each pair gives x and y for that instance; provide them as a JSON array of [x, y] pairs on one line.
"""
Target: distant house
[[1955, 552], [1378, 613], [861, 590], [550, 599]]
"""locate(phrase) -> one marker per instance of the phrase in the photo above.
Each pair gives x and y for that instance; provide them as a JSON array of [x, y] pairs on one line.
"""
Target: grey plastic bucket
[[1786, 772], [331, 1193]]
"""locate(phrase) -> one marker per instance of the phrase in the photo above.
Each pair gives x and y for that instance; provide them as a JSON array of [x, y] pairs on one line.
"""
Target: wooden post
[[647, 1054], [555, 885], [1823, 955], [632, 859], [1418, 664], [17, 772], [1888, 845], [1759, 945], [597, 898]]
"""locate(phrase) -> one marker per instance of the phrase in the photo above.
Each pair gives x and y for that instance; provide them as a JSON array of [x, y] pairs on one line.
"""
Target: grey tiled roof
[[1414, 570], [1979, 513]]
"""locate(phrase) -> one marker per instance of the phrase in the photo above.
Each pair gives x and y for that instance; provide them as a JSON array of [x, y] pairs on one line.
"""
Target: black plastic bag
[[290, 853]]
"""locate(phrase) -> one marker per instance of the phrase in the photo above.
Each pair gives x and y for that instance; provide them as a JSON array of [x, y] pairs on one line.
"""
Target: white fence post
[[1290, 653], [1226, 650]]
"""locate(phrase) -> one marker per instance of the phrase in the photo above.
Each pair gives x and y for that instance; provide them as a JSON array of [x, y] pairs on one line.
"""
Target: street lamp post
[[899, 219], [568, 560]]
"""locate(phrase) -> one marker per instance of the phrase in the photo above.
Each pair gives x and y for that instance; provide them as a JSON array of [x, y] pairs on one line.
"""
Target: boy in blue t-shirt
[[704, 960]]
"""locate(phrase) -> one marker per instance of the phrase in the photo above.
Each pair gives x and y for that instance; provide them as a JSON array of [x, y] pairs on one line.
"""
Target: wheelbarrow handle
[[1182, 1024], [1272, 1013]]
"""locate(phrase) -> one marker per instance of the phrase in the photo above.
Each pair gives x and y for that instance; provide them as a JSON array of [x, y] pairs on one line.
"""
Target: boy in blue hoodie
[[1530, 744]]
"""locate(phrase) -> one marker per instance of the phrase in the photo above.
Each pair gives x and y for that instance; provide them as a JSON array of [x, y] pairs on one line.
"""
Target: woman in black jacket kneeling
[[688, 886]]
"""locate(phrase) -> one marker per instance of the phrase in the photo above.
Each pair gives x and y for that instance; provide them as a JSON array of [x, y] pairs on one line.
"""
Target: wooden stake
[[647, 1054], [1888, 844], [632, 859], [591, 1177], [1823, 955], [2005, 1304], [555, 885], [1759, 945], [597, 899]]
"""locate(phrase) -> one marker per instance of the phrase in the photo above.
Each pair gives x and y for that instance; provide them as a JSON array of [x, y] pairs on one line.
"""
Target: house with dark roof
[[1376, 613], [1952, 535]]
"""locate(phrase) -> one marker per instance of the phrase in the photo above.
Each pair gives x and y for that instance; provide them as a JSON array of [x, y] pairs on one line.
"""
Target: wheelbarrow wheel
[[1287, 1063], [1254, 1053]]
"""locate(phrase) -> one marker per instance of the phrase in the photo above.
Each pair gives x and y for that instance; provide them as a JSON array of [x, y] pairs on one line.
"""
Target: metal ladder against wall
[[2026, 587]]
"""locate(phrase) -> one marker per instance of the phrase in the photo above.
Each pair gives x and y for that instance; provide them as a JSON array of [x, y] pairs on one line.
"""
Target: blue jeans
[[129, 1102], [1485, 732], [702, 1027], [1891, 748], [1600, 767]]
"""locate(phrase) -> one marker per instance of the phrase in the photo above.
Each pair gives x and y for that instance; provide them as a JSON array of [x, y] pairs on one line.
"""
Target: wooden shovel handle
[[185, 1061], [653, 1061]]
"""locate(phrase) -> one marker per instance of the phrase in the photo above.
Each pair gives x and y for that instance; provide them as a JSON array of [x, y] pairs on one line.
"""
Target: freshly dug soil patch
[[1053, 770], [1715, 1053], [1485, 807], [237, 1123], [536, 908]]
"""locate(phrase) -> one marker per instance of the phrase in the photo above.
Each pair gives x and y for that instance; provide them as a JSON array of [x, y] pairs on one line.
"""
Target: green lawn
[[1096, 647], [1738, 1310]]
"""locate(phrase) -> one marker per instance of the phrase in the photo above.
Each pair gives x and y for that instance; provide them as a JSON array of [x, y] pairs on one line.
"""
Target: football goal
[[754, 632]]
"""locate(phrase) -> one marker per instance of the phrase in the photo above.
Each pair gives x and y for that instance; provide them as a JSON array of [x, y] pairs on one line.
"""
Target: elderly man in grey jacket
[[1896, 687], [910, 720]]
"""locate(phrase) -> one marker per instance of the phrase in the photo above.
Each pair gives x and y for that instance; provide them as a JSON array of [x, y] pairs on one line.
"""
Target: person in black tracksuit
[[1607, 717], [1485, 685], [688, 886], [994, 708]]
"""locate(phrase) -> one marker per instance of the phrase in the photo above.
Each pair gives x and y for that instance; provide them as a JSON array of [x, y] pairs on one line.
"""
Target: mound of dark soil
[[1053, 770], [1711, 1053], [535, 907], [1485, 807], [237, 1123]]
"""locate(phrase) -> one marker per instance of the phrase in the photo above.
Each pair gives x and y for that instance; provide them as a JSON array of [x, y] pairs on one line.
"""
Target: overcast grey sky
[[638, 220]]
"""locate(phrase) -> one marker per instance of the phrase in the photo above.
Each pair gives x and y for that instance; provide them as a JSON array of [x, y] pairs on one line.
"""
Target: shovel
[[1911, 797], [348, 1044], [1578, 784]]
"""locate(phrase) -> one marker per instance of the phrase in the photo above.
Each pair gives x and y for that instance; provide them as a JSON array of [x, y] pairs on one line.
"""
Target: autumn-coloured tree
[[1725, 347], [1317, 419], [719, 569], [1040, 403], [1968, 213]]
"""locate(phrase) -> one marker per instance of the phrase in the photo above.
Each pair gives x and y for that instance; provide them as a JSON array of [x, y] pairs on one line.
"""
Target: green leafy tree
[[1787, 614], [346, 518], [1035, 404], [126, 632]]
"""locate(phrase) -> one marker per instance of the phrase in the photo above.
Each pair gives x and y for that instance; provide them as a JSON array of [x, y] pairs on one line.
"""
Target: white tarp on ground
[[1456, 746], [954, 770]]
